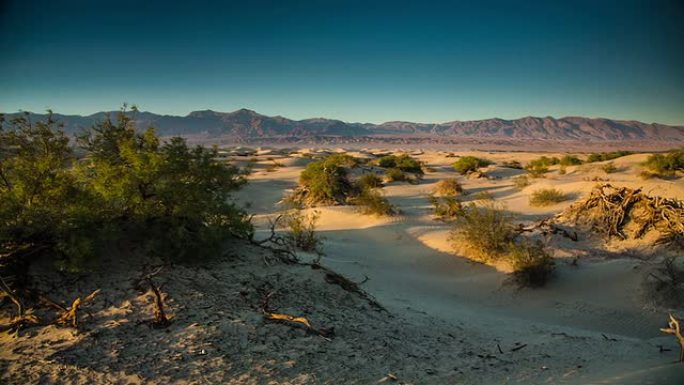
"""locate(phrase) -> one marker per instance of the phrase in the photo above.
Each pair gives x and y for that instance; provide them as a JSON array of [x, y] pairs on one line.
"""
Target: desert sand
[[448, 320]]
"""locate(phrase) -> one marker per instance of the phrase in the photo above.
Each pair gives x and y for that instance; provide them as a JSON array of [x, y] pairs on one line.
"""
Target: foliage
[[301, 230], [570, 160], [512, 164], [609, 168], [446, 207], [402, 162], [128, 186], [448, 187], [603, 156], [397, 175], [521, 181], [468, 164], [666, 164], [369, 180], [547, 197], [372, 201], [326, 180], [485, 231], [540, 166], [532, 265]]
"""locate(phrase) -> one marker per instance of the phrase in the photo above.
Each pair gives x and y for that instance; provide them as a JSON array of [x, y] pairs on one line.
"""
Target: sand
[[448, 321]]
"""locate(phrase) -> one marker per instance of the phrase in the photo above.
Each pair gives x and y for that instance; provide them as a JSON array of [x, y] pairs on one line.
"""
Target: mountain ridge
[[245, 123]]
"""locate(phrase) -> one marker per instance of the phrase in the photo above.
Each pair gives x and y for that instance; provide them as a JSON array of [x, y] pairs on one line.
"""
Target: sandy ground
[[448, 320]]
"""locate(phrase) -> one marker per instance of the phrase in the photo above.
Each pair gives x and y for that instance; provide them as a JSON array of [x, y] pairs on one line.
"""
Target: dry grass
[[547, 197], [448, 187]]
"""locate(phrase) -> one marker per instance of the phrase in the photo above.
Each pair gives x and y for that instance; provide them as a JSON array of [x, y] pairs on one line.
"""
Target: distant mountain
[[247, 124]]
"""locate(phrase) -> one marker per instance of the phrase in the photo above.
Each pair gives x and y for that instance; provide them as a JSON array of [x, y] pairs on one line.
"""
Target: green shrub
[[326, 181], [369, 180], [604, 156], [666, 164], [532, 265], [485, 232], [468, 164], [402, 162], [372, 201], [301, 230], [540, 166], [512, 164], [448, 187], [446, 207], [547, 197], [521, 181], [397, 175], [570, 160], [609, 168]]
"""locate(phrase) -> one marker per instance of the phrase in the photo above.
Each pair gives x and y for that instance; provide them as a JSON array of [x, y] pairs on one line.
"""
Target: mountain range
[[248, 124]]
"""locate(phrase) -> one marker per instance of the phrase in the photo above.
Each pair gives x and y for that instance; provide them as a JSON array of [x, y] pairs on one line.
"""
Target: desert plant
[[666, 164], [570, 160], [372, 201], [609, 168], [540, 166], [447, 207], [603, 156], [547, 197], [301, 230], [402, 162], [468, 164], [397, 175], [325, 181], [369, 180], [448, 187], [512, 164], [532, 265], [521, 181], [485, 232], [562, 170]]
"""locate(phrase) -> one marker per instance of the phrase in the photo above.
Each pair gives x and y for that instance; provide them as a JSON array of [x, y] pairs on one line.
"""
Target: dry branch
[[293, 320], [675, 330], [334, 278], [70, 315], [160, 318]]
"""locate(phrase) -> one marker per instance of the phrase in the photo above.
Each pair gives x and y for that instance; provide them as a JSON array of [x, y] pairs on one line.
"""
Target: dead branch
[[334, 278], [515, 349], [293, 320], [160, 318], [13, 297], [675, 330], [546, 226], [70, 315], [278, 244]]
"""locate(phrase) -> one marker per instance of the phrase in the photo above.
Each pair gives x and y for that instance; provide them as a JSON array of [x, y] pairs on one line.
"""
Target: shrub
[[547, 197], [402, 162], [448, 187], [538, 167], [570, 160], [301, 232], [483, 196], [446, 207], [369, 180], [397, 175], [468, 164], [521, 181], [562, 170], [325, 181], [512, 164], [603, 156], [486, 231], [666, 164], [609, 168], [532, 265], [373, 202]]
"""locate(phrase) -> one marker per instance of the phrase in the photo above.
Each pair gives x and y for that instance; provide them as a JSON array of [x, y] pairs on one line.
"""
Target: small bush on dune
[[468, 164], [372, 201], [609, 168], [402, 162], [547, 197], [485, 231], [448, 187], [446, 207], [301, 232], [603, 156], [325, 181], [397, 175], [521, 181], [538, 167], [532, 265], [369, 180], [666, 164], [570, 160]]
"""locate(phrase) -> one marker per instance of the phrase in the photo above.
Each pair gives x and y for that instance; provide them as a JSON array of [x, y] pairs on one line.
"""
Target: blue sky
[[369, 61]]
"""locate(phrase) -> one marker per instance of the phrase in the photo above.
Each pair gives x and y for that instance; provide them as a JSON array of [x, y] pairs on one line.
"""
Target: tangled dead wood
[[334, 278], [546, 226], [675, 330], [628, 213]]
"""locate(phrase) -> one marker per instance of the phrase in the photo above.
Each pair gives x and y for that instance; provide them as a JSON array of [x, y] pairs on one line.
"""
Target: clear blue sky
[[368, 61]]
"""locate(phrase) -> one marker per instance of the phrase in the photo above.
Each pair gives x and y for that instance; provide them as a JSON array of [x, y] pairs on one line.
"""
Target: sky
[[359, 61]]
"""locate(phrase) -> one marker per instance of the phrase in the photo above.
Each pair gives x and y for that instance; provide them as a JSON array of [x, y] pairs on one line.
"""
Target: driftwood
[[293, 320], [160, 319], [546, 226], [628, 213], [70, 316], [675, 330]]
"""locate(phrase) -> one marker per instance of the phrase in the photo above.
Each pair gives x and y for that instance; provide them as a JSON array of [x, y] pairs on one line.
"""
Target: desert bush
[[397, 175], [570, 160], [447, 207], [372, 201], [562, 170], [448, 187], [512, 164], [402, 162], [540, 166], [609, 168], [301, 230], [532, 265], [485, 231], [468, 164], [603, 156], [521, 181], [325, 181], [369, 180], [547, 197], [666, 164]]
